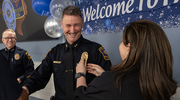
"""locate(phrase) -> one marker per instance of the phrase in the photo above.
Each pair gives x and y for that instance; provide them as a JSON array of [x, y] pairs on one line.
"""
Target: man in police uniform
[[19, 59], [55, 60], [9, 87]]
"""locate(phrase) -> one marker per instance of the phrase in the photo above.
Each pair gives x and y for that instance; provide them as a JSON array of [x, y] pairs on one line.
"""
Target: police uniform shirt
[[9, 87], [54, 63], [20, 62]]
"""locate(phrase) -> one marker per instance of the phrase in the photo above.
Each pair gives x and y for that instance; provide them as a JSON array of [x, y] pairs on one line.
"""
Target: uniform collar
[[12, 49], [75, 45]]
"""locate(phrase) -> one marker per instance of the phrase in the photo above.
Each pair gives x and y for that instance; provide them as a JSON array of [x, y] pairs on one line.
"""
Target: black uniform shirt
[[20, 62], [54, 63], [9, 87], [103, 88]]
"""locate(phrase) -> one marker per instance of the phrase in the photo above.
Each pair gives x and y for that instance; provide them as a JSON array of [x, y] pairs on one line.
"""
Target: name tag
[[57, 62]]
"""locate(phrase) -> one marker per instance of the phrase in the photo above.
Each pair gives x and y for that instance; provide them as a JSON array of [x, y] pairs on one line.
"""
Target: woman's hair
[[150, 54]]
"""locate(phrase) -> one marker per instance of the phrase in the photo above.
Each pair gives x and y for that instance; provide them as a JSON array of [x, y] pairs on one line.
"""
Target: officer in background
[[56, 59], [19, 59], [9, 87]]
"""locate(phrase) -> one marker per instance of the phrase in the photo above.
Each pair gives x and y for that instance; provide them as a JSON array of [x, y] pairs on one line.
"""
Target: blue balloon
[[108, 22], [41, 7], [112, 27]]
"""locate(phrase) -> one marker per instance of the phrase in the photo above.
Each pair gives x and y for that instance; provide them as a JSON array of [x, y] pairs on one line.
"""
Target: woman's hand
[[94, 69], [81, 66]]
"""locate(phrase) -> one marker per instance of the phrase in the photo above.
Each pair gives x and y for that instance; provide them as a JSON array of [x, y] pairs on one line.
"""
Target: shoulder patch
[[47, 54], [29, 57], [103, 52]]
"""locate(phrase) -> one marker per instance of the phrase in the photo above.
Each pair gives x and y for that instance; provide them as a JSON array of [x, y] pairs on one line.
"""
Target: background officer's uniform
[[20, 62], [9, 87], [54, 62]]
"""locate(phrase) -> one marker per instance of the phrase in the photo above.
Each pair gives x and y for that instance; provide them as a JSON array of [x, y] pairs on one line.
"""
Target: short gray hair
[[10, 31]]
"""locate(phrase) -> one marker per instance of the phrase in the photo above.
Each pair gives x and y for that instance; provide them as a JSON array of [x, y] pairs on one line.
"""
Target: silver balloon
[[53, 27], [57, 6]]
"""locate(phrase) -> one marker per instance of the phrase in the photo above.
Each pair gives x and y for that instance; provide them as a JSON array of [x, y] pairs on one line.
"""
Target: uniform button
[[55, 68]]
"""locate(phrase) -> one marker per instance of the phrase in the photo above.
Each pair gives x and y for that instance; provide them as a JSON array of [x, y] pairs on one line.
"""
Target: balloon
[[108, 22], [41, 7], [53, 27], [112, 27], [57, 6]]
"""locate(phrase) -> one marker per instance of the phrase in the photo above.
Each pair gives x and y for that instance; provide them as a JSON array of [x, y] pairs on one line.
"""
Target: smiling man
[[72, 26], [62, 59]]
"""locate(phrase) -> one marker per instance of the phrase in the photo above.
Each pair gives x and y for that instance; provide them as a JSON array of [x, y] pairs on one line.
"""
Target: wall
[[173, 35], [38, 49]]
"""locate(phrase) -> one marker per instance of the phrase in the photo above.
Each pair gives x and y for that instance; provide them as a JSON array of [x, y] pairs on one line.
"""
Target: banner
[[111, 16]]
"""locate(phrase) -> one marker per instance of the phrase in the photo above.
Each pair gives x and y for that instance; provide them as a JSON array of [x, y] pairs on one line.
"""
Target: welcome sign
[[111, 16]]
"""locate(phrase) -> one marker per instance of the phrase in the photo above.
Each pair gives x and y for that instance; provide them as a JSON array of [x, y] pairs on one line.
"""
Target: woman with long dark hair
[[144, 74]]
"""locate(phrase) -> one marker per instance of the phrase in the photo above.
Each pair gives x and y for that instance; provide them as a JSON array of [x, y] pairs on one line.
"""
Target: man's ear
[[61, 23], [82, 22], [2, 40]]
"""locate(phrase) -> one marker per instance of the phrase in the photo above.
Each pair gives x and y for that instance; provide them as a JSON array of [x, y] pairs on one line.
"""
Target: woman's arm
[[91, 68], [81, 68]]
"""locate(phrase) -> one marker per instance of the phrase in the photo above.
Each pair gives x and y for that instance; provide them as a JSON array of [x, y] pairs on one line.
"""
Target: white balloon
[[53, 27], [57, 6]]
